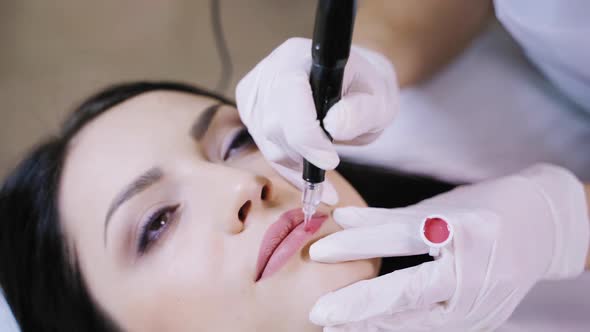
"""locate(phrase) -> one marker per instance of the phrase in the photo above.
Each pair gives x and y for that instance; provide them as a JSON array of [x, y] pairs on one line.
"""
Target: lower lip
[[293, 242]]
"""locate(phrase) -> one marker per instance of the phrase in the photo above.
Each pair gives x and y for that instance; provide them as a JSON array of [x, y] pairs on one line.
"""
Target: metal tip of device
[[306, 219], [310, 199]]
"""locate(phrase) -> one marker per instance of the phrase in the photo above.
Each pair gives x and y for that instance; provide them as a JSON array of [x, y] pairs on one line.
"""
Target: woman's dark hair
[[39, 272]]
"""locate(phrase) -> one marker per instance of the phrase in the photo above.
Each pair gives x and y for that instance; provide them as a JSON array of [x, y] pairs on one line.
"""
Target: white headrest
[[7, 321]]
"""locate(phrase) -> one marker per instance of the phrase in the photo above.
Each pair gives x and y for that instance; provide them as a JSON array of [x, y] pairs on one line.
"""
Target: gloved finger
[[398, 238], [299, 122], [352, 216], [369, 86], [346, 121], [413, 288], [401, 321], [369, 242], [377, 75], [329, 193], [420, 320]]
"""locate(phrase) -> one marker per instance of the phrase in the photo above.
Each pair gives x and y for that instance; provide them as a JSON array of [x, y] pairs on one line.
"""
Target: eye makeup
[[236, 142], [155, 226]]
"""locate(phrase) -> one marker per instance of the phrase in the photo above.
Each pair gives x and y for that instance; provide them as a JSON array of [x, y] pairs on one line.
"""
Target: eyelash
[[147, 240], [239, 141]]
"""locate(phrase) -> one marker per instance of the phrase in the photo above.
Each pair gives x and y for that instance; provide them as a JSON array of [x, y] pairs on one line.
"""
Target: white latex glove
[[276, 104], [508, 234]]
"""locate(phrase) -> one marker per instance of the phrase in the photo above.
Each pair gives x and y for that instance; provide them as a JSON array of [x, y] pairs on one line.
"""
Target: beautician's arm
[[588, 200], [420, 37]]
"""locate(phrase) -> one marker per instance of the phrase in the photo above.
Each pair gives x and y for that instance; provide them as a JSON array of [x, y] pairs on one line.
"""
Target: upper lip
[[275, 234]]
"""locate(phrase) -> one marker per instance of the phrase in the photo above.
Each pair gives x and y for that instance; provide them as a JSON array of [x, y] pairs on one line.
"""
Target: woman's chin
[[328, 277], [293, 291]]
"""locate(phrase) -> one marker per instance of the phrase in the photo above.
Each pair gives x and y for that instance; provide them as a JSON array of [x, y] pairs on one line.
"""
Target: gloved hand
[[276, 104], [509, 233]]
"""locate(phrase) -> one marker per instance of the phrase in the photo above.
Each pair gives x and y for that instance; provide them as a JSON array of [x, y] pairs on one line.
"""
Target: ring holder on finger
[[436, 233]]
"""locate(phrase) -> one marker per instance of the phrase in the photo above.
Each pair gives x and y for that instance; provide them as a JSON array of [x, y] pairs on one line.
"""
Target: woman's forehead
[[147, 109], [140, 122]]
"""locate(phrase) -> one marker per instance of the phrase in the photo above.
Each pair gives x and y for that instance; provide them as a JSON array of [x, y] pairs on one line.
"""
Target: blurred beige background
[[55, 53]]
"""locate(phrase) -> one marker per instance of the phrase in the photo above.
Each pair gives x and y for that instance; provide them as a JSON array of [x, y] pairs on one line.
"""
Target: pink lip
[[283, 239]]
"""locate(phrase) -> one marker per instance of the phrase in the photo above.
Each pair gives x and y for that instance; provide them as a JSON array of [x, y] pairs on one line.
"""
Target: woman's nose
[[253, 192]]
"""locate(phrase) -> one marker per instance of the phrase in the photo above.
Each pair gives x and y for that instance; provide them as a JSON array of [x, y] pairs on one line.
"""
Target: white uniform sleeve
[[487, 114], [555, 35]]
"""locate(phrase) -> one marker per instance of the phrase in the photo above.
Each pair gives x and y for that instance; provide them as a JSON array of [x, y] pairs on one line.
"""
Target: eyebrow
[[201, 124], [141, 183]]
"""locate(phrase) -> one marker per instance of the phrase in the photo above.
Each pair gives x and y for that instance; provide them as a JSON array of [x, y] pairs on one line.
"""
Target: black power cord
[[222, 49]]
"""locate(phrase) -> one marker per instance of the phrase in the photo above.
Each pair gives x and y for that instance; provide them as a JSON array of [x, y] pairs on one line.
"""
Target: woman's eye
[[154, 227], [239, 142]]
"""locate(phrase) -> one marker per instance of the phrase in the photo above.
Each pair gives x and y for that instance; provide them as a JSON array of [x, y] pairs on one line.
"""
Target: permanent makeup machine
[[332, 38]]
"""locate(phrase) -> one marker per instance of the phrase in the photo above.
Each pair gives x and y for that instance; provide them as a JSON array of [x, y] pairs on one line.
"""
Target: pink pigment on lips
[[313, 225], [436, 230], [283, 239]]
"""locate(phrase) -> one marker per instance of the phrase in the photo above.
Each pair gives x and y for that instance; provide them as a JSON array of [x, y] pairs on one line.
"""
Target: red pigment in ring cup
[[436, 230]]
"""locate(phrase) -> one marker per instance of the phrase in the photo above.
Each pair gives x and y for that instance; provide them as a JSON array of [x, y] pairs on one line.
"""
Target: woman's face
[[154, 199]]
